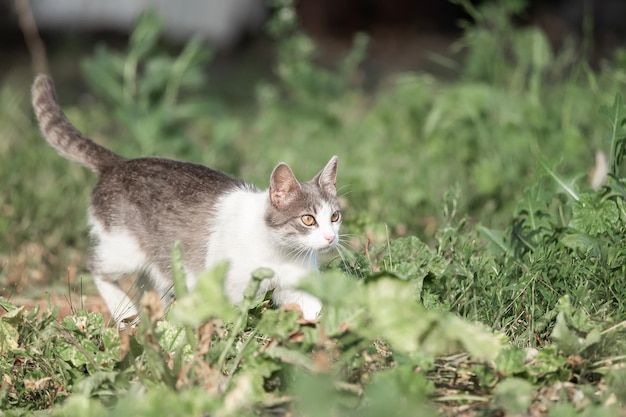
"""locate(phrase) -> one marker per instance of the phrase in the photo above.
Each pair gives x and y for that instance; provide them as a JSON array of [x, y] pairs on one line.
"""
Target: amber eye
[[335, 217], [308, 220]]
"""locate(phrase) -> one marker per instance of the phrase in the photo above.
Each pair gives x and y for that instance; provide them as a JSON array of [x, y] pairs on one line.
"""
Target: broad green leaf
[[208, 300], [290, 356], [534, 219], [162, 401], [401, 386], [562, 410], [81, 405], [315, 396], [510, 361], [411, 259], [565, 185], [549, 361], [397, 317], [278, 323], [78, 353], [260, 369], [92, 383], [332, 287], [594, 217], [476, 339], [343, 300], [567, 340], [495, 240], [412, 251], [258, 275], [573, 330], [9, 337], [171, 337], [582, 242], [514, 395], [13, 313], [338, 318]]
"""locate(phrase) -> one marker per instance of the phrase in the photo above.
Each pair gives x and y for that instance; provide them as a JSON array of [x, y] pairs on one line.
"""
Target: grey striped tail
[[62, 135]]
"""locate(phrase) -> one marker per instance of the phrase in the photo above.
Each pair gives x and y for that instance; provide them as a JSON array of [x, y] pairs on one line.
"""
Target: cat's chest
[[238, 232], [239, 235]]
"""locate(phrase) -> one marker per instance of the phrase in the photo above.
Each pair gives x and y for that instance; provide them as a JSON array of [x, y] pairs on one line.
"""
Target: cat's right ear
[[284, 186], [327, 177]]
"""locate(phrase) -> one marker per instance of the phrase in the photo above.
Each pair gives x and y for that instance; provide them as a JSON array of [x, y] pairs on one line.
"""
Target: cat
[[140, 207]]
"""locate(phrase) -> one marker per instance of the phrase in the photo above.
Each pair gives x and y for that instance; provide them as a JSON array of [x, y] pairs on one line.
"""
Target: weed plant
[[492, 280]]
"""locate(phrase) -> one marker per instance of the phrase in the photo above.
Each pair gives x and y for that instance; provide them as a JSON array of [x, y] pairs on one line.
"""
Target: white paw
[[310, 306]]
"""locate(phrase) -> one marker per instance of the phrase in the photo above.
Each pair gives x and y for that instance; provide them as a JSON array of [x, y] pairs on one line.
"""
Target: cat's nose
[[330, 239]]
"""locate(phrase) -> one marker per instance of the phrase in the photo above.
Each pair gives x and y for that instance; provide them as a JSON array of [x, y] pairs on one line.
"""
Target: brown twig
[[34, 43]]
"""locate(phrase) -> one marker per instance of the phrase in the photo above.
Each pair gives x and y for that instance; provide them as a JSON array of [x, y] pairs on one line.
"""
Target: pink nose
[[330, 239]]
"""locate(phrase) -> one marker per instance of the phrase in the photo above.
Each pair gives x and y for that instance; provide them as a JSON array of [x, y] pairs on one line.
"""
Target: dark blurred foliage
[[338, 18], [344, 17]]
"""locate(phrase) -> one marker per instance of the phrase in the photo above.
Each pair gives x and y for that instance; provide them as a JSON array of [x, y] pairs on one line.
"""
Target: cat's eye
[[308, 220], [335, 217]]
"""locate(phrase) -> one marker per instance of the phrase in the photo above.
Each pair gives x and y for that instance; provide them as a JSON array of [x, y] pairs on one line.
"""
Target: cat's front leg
[[309, 304]]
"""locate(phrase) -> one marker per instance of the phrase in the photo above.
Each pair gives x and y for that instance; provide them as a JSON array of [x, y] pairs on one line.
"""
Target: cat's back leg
[[120, 305], [116, 254]]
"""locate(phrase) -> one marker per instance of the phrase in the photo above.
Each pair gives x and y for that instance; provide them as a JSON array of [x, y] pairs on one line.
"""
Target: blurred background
[[402, 32], [439, 111]]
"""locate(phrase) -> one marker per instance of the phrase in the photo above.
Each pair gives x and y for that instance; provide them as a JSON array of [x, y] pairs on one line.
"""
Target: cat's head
[[304, 216]]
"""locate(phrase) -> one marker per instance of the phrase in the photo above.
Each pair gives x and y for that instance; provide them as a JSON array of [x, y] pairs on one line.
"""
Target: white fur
[[117, 251], [241, 237], [116, 254]]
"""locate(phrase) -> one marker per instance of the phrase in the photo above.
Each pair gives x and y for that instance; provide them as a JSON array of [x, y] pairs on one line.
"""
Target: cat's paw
[[310, 306]]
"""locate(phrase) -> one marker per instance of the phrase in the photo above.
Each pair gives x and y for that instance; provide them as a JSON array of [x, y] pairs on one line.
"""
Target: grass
[[486, 277]]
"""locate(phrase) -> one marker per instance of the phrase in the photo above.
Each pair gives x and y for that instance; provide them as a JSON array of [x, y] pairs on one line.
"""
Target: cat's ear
[[327, 178], [284, 187]]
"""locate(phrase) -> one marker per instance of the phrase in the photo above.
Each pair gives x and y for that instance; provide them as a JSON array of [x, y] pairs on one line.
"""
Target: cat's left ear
[[327, 177]]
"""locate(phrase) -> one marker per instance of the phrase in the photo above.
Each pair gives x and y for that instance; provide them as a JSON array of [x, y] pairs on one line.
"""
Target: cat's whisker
[[344, 250], [346, 243], [344, 240], [304, 254], [351, 237], [122, 311], [300, 254], [341, 192], [295, 252], [341, 255]]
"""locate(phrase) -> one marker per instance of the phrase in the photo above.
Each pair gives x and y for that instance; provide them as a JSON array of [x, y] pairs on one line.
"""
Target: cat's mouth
[[328, 248]]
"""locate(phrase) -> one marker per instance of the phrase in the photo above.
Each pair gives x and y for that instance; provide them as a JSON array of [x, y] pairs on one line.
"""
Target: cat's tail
[[62, 135]]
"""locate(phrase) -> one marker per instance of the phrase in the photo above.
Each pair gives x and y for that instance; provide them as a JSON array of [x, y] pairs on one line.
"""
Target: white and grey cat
[[140, 207]]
